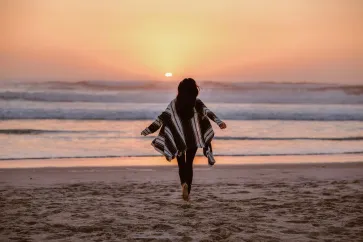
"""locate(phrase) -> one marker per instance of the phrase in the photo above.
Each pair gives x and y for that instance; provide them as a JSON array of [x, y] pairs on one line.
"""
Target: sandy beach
[[286, 202]]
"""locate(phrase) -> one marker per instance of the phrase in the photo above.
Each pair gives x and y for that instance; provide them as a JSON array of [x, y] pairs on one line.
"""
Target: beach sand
[[286, 202]]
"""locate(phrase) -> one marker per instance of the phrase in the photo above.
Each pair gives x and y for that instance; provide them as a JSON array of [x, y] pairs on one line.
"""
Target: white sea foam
[[137, 111], [145, 100], [103, 91]]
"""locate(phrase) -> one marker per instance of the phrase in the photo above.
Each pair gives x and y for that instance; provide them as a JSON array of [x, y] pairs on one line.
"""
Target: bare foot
[[185, 191]]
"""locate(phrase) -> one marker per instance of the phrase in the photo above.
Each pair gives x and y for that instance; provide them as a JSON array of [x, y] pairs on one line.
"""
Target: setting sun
[[168, 74]]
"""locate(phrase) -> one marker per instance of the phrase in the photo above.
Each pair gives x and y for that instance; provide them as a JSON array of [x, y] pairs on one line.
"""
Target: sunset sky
[[229, 40]]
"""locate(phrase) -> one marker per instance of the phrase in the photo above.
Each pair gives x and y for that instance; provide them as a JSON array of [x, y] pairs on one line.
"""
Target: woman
[[185, 128]]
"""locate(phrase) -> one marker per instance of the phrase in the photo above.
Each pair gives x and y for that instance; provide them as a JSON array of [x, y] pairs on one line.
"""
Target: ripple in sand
[[162, 227], [139, 169]]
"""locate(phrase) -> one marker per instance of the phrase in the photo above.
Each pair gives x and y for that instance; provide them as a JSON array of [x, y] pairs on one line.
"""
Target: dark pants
[[185, 163]]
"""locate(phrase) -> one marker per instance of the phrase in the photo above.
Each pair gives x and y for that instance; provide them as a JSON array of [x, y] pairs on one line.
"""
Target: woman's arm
[[157, 123], [152, 127], [206, 112]]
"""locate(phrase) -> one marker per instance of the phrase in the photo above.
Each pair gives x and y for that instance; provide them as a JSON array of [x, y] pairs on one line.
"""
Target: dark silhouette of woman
[[185, 127]]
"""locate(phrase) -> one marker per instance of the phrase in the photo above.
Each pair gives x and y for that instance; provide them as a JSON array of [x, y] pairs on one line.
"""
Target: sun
[[168, 74]]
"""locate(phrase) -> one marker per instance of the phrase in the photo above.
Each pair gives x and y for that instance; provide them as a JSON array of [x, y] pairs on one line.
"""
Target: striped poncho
[[171, 139]]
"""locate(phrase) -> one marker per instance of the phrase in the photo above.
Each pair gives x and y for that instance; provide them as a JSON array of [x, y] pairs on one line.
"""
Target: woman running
[[185, 128]]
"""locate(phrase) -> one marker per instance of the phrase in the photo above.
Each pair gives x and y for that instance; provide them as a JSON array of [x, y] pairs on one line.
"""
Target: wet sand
[[286, 202]]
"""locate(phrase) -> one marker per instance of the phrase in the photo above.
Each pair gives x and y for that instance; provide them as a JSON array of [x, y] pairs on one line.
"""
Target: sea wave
[[293, 138], [148, 111], [100, 132], [73, 96], [118, 92], [41, 131], [234, 155]]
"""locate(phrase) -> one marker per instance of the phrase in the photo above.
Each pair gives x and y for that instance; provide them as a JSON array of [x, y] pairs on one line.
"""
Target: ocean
[[95, 119]]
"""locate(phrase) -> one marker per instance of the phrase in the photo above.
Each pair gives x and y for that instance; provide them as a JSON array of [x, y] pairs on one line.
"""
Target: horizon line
[[172, 81]]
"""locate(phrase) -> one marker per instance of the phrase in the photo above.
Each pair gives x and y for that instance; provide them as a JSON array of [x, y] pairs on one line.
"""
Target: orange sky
[[231, 40]]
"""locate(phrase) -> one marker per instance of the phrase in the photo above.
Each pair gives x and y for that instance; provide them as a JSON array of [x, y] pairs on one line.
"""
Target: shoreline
[[159, 161]]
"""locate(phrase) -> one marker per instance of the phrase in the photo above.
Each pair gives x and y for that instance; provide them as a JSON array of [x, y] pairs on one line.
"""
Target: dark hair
[[188, 91]]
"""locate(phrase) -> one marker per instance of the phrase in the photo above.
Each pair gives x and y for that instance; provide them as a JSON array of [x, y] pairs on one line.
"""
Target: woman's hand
[[223, 125], [144, 132]]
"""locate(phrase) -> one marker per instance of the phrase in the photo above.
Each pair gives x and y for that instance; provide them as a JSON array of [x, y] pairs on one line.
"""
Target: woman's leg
[[182, 166], [190, 154]]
